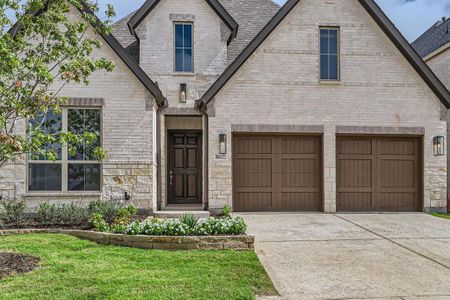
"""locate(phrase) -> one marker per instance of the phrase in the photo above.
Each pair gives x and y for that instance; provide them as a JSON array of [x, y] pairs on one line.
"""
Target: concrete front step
[[173, 214]]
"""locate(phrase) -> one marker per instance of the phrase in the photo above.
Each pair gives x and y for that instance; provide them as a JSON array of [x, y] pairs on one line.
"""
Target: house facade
[[318, 105], [434, 47]]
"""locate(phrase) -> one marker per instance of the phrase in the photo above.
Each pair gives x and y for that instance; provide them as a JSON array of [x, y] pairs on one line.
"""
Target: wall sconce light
[[438, 146], [222, 144], [127, 196], [183, 93]]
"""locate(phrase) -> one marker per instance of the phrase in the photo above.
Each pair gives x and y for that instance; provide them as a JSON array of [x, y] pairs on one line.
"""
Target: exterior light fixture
[[438, 146], [183, 92], [222, 144]]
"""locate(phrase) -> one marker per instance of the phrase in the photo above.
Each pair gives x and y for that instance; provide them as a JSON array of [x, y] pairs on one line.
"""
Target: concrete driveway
[[354, 256]]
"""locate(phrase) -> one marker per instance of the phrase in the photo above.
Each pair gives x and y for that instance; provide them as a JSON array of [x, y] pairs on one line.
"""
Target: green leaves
[[53, 47]]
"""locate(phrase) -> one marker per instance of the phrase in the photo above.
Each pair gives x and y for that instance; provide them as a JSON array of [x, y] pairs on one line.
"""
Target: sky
[[412, 17]]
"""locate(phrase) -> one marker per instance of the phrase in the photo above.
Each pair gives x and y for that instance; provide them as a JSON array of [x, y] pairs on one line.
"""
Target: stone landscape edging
[[219, 242]]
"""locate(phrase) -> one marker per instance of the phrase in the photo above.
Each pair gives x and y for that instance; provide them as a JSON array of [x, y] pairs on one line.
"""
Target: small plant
[[98, 222], [189, 220], [47, 214], [226, 211], [126, 215], [14, 213], [108, 209]]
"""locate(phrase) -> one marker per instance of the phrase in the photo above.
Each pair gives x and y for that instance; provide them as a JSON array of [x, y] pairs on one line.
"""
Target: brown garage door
[[378, 174], [276, 173]]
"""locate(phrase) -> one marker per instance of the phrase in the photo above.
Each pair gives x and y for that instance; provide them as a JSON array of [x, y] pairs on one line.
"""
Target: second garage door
[[276, 173], [378, 174]]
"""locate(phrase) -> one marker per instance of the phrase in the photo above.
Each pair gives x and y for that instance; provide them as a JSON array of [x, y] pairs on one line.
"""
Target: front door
[[184, 176]]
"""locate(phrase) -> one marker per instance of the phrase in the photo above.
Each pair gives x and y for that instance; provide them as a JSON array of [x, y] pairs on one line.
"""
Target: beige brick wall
[[279, 85], [156, 34], [127, 134], [440, 64]]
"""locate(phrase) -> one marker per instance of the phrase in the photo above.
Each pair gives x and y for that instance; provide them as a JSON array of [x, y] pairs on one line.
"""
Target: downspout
[[202, 108], [158, 154]]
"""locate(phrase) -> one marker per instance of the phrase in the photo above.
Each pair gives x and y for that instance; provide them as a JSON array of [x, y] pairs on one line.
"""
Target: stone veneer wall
[[279, 85]]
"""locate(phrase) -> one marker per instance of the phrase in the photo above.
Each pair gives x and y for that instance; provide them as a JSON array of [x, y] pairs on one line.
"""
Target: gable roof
[[149, 5], [378, 16], [251, 16], [436, 37], [120, 51]]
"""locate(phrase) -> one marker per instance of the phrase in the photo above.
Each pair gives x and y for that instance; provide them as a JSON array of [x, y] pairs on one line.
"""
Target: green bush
[[226, 211], [98, 222], [189, 220], [66, 214], [108, 209], [14, 213]]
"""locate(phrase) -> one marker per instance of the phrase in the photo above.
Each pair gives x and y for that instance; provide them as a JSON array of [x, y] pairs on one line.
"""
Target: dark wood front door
[[184, 176]]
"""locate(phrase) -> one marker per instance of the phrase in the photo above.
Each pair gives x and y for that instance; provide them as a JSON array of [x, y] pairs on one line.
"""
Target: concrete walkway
[[354, 256]]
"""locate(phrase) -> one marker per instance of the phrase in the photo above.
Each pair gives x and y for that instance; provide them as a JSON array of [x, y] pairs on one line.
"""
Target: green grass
[[442, 215], [78, 269]]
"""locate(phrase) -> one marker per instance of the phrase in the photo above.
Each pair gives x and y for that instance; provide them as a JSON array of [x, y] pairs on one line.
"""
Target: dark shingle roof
[[122, 33], [434, 38], [251, 15]]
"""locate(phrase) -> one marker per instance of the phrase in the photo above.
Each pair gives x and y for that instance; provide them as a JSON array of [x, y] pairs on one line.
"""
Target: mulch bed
[[15, 263]]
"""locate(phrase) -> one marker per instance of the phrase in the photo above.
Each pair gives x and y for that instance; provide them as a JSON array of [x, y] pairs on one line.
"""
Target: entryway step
[[173, 214]]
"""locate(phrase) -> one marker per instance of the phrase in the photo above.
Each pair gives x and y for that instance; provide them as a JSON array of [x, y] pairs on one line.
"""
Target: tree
[[41, 51]]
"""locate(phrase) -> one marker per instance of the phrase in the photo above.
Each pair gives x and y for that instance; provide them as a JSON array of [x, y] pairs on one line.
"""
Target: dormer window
[[184, 59]]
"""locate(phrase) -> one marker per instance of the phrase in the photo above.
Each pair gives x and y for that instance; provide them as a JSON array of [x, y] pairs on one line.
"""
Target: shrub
[[66, 214], [108, 209], [14, 213], [125, 215], [98, 222]]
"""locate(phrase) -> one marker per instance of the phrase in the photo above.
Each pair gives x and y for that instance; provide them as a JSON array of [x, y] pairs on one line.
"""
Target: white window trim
[[64, 162], [338, 80]]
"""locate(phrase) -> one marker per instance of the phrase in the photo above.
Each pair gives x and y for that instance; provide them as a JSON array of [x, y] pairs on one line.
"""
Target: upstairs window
[[329, 54], [184, 60]]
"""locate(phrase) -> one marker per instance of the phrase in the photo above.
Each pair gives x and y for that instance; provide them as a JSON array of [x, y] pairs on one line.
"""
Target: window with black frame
[[77, 168], [329, 54], [184, 61]]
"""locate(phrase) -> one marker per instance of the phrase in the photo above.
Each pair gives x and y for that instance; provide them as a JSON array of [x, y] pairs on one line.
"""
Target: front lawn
[[442, 215], [77, 269]]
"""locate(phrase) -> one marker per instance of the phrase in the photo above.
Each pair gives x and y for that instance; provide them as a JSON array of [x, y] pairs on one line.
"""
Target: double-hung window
[[184, 59], [76, 168], [329, 54]]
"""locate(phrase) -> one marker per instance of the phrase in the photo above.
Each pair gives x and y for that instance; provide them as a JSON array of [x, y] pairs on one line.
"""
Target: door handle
[[171, 178]]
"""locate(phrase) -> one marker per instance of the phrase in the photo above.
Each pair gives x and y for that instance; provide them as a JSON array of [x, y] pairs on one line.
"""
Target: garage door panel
[[397, 173], [395, 201], [355, 173], [253, 145], [253, 173], [388, 179], [299, 172], [290, 173], [396, 147], [298, 145], [355, 201], [301, 201], [252, 201], [359, 146]]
